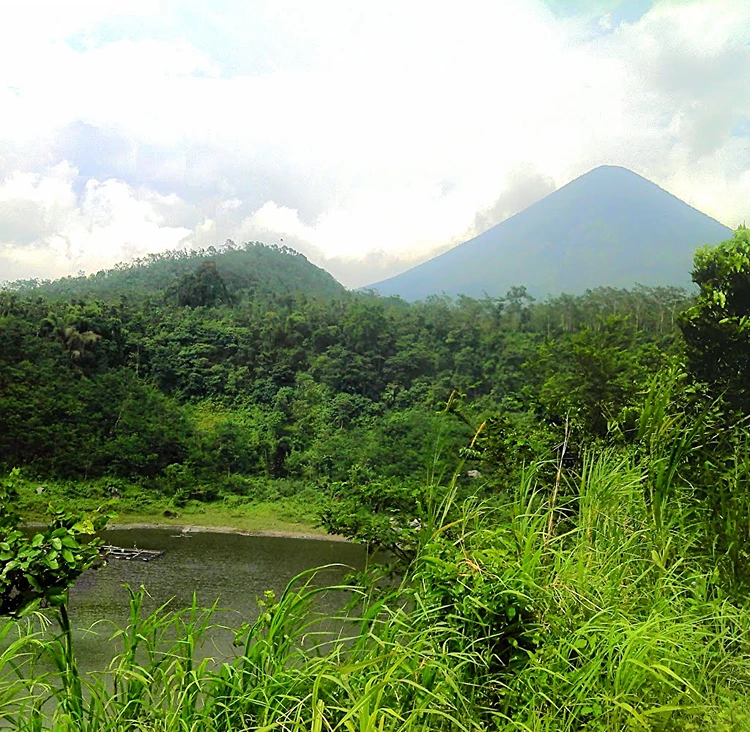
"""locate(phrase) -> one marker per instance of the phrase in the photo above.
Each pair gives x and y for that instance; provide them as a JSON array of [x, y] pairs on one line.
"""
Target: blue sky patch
[[742, 128], [619, 11]]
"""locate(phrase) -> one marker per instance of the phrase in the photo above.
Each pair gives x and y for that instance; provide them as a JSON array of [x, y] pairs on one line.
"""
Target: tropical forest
[[551, 497]]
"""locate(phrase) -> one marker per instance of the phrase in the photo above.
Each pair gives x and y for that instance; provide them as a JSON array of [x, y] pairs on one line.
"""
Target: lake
[[232, 569]]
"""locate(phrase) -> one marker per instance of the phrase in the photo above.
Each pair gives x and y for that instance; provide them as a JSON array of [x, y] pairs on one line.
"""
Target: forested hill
[[210, 389], [243, 373], [250, 270]]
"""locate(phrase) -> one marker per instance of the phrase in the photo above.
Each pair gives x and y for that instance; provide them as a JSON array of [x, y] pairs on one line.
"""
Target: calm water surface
[[231, 569]]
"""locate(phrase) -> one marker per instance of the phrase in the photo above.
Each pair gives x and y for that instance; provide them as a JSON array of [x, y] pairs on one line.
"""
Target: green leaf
[[52, 562], [83, 527], [57, 598]]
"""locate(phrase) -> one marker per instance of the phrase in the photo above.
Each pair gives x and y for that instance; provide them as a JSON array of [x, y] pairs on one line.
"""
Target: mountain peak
[[608, 227], [615, 176], [613, 168]]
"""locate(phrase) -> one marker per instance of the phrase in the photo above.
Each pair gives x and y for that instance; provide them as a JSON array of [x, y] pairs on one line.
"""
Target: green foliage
[[593, 373], [308, 387], [379, 513], [588, 573], [498, 623], [251, 269], [505, 445], [717, 327], [37, 570], [203, 288]]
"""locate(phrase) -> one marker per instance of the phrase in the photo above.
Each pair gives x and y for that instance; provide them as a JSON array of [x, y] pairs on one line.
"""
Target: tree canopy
[[716, 328]]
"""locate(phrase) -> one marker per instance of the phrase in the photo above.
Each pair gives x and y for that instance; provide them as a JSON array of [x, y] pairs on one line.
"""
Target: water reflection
[[228, 569]]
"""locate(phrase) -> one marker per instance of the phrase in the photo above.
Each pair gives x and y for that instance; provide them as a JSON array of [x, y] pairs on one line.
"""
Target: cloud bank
[[368, 136]]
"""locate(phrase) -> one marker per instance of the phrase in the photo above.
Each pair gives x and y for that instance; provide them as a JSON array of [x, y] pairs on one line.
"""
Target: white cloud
[[34, 208], [361, 130], [47, 228]]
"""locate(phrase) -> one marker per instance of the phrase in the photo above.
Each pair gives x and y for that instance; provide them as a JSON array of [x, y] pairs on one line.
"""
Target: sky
[[369, 136]]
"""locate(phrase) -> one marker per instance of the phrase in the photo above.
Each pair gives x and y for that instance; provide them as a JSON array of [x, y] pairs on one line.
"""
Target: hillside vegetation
[[214, 388], [250, 270], [590, 573]]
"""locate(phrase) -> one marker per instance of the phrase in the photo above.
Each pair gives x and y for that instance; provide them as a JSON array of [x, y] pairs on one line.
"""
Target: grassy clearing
[[278, 517], [295, 513]]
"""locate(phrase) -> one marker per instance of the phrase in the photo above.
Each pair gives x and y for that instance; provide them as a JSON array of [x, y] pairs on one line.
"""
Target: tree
[[204, 288], [717, 328], [592, 374]]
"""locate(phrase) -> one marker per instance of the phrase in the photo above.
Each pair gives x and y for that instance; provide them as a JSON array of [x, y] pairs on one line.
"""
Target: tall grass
[[635, 632], [604, 611]]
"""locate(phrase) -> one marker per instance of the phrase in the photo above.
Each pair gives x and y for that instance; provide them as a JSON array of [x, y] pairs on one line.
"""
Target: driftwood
[[118, 552]]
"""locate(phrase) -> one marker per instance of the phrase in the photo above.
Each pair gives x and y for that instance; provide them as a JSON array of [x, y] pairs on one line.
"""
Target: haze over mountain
[[609, 227]]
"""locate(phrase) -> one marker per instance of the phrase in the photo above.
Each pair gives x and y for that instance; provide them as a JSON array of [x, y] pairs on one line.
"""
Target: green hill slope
[[254, 269]]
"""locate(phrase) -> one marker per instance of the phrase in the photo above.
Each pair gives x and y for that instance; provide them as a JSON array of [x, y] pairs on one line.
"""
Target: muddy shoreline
[[203, 529], [198, 529]]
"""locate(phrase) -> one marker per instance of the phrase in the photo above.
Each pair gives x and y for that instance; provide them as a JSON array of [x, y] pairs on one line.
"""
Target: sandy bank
[[191, 529]]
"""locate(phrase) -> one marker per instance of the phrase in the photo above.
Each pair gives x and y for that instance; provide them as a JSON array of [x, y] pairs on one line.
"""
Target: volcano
[[609, 227]]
